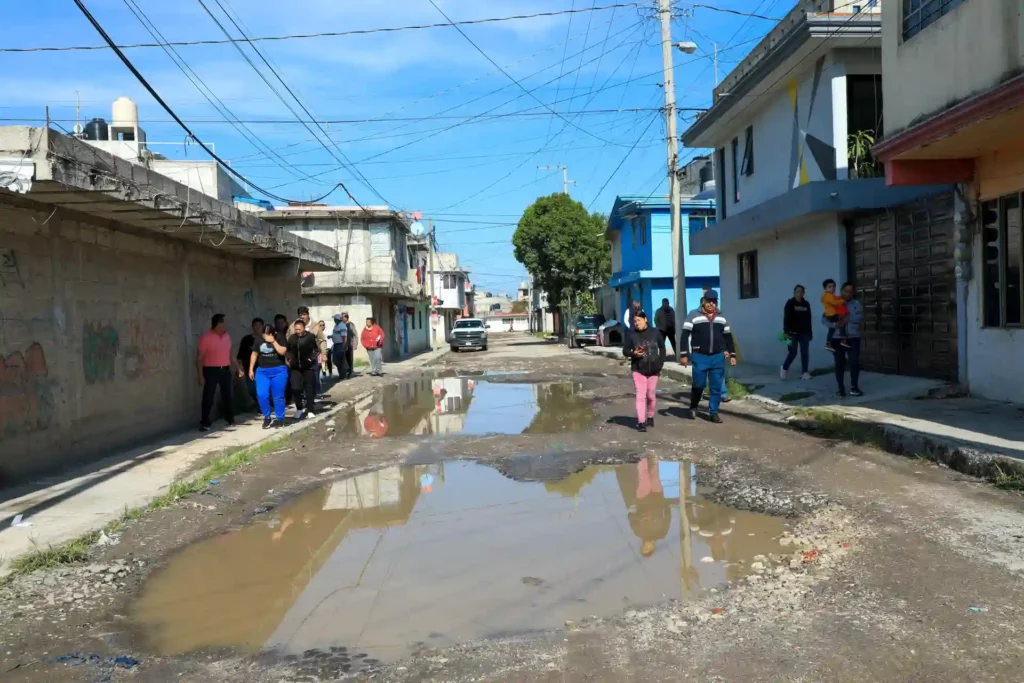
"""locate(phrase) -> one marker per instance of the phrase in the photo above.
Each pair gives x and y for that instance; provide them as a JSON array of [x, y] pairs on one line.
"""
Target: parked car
[[468, 333], [584, 330], [611, 333]]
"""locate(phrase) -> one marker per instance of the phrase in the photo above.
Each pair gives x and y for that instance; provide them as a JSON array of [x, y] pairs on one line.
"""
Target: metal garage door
[[902, 263]]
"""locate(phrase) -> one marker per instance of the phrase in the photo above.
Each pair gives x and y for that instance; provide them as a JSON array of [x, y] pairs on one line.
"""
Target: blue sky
[[474, 178]]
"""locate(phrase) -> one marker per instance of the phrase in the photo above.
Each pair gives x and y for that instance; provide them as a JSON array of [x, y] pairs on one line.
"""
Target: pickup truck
[[468, 333]]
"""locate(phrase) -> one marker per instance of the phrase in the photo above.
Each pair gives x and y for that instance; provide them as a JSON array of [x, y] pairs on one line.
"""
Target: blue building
[[640, 230]]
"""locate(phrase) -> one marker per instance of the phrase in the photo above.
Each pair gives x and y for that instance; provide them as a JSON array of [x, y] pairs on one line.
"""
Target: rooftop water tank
[[126, 114], [96, 130], [706, 174]]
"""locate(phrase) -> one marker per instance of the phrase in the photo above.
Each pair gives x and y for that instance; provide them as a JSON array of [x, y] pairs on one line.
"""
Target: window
[[421, 318], [748, 274], [748, 152], [735, 170], [1003, 261], [450, 281], [700, 222], [720, 192], [920, 14], [380, 239]]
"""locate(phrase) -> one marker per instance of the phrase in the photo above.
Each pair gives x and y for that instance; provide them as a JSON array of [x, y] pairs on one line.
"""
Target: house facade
[[954, 104], [382, 272], [640, 232], [451, 295], [800, 199]]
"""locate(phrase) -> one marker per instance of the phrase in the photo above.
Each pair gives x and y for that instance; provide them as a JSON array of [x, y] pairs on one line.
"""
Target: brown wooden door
[[902, 263]]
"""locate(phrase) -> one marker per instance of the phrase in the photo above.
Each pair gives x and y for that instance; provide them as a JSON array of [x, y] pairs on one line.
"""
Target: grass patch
[[819, 372], [795, 396], [360, 363], [833, 425], [1014, 481], [736, 389], [77, 550]]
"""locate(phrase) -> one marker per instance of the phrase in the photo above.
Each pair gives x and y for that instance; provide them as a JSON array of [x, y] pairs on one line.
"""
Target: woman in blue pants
[[268, 369]]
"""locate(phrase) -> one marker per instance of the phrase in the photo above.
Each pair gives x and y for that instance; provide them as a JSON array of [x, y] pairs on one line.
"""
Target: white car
[[468, 333]]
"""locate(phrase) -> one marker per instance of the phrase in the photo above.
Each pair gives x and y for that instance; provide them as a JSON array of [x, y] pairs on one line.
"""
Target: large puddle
[[384, 562], [463, 405]]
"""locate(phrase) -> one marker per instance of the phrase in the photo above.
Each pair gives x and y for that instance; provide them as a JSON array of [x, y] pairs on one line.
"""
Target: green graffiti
[[99, 352]]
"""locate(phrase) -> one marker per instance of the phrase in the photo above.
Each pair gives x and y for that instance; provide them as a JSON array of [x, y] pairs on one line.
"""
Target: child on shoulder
[[836, 313]]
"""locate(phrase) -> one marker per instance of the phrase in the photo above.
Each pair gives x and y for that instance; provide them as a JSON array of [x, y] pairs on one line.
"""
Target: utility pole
[[430, 280], [565, 175], [715, 48], [678, 264]]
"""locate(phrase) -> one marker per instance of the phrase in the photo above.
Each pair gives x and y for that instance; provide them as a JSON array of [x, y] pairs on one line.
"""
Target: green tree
[[563, 247], [520, 307]]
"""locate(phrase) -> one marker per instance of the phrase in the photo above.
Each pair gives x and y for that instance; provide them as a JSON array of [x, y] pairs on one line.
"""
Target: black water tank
[[706, 174], [96, 130]]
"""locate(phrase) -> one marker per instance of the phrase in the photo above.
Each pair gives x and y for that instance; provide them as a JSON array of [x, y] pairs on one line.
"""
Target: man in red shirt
[[372, 339], [215, 365]]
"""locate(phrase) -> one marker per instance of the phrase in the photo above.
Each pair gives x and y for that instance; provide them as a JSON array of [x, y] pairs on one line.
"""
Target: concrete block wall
[[98, 329]]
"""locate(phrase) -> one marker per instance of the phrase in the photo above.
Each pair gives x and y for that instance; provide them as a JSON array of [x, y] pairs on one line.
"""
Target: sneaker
[[805, 376], [782, 373], [277, 424], [856, 392], [300, 414], [830, 348], [231, 423], [267, 422], [689, 414], [725, 399], [650, 422], [716, 418], [641, 426], [841, 394], [845, 344], [204, 427]]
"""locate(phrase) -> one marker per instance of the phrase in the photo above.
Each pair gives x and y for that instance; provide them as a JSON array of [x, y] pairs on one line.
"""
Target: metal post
[[715, 46], [430, 280], [678, 265]]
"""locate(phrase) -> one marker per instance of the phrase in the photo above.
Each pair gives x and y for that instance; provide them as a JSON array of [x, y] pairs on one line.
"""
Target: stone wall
[[98, 329]]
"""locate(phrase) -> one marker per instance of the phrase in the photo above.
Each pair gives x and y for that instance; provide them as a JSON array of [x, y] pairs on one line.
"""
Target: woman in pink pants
[[645, 348]]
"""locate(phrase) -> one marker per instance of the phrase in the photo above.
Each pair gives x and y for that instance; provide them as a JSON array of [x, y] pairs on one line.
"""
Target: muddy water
[[464, 405], [448, 553]]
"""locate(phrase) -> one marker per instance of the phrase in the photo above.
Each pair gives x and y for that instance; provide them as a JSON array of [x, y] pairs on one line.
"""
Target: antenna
[[78, 115]]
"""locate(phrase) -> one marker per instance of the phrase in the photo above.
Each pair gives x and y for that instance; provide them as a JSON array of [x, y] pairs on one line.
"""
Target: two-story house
[[801, 200], [640, 231], [954, 113], [450, 294], [382, 272]]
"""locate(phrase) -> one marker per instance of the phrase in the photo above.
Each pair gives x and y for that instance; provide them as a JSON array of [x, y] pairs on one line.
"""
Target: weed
[[795, 396], [1014, 481], [737, 389], [72, 552], [833, 425]]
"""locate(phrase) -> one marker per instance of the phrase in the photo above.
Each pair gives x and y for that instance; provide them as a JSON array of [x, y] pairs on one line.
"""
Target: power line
[[597, 196], [325, 34], [156, 96], [290, 92], [511, 78], [749, 15]]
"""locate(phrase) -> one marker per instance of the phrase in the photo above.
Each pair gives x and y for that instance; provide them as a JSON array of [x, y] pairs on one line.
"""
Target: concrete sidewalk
[[64, 507], [969, 429]]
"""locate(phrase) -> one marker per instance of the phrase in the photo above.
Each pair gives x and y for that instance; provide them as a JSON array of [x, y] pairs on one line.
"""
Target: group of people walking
[[282, 363], [707, 344]]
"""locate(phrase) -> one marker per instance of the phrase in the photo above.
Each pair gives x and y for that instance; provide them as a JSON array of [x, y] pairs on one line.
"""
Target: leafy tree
[[563, 247], [520, 307]]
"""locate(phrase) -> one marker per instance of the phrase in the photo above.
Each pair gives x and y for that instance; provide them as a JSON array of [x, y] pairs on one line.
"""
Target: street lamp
[[687, 47]]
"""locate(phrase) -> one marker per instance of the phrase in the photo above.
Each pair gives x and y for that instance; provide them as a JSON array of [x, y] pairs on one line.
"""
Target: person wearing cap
[[707, 343], [340, 350]]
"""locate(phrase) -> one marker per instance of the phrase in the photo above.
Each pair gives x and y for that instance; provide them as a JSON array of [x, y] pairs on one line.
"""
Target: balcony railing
[[920, 14]]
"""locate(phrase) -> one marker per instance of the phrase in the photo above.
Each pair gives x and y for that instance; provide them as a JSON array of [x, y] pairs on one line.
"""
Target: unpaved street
[[495, 517]]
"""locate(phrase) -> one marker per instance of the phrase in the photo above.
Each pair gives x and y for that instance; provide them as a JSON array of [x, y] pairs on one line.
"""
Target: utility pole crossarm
[[565, 175]]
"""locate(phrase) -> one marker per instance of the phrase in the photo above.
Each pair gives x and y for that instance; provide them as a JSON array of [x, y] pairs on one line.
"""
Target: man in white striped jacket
[[707, 343]]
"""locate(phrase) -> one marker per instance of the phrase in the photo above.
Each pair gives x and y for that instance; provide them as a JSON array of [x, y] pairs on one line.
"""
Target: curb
[[949, 452]]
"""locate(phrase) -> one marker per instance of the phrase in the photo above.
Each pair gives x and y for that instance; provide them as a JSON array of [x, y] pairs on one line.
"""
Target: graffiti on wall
[[26, 392], [9, 273], [248, 298], [146, 349], [200, 307], [100, 345]]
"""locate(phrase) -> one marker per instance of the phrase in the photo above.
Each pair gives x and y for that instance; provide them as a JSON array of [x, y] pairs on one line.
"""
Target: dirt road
[[497, 518]]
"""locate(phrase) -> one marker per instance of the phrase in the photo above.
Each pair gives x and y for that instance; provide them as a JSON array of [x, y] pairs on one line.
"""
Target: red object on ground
[[717, 610], [376, 426]]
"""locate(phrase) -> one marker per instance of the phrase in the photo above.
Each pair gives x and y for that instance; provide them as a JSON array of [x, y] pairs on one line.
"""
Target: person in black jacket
[[645, 348], [709, 338], [665, 321], [797, 326]]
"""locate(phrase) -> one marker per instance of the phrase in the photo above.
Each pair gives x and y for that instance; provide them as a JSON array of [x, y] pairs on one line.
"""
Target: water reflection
[[389, 558], [460, 405]]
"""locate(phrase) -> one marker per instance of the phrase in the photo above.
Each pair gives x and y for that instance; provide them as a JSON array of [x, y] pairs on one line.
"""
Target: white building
[[382, 272], [796, 203], [451, 283]]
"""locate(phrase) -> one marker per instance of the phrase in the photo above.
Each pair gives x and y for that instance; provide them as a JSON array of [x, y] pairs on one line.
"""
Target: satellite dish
[[417, 229]]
